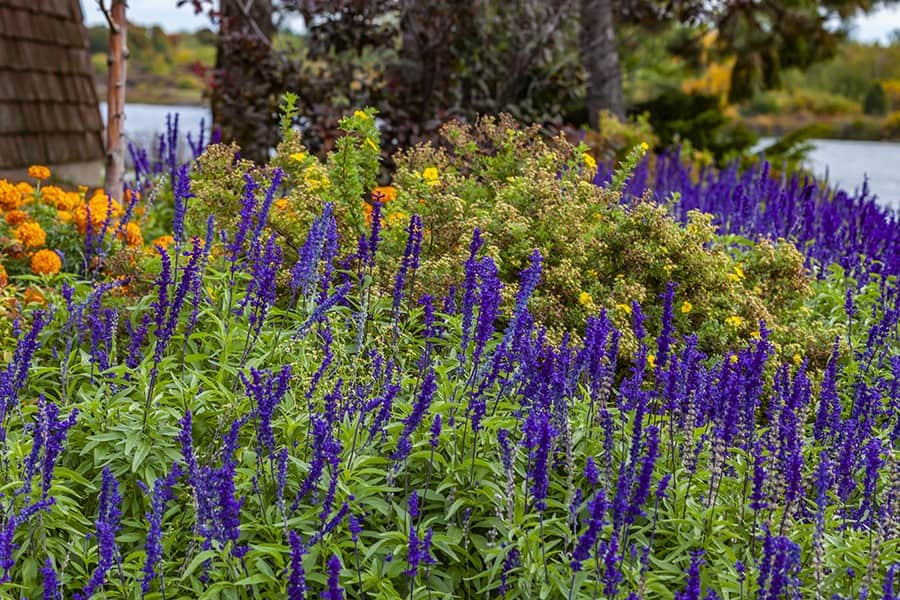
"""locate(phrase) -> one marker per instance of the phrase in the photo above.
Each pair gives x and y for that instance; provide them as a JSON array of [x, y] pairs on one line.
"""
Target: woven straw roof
[[48, 105]]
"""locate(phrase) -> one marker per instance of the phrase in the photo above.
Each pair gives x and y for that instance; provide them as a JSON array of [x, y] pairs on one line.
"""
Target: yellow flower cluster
[[737, 274], [431, 176], [589, 162], [316, 178], [734, 321]]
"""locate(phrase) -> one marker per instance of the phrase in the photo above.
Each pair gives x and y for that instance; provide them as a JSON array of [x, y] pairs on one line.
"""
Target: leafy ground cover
[[268, 413]]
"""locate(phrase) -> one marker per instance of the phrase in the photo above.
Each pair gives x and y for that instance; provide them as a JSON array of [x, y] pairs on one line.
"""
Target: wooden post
[[114, 182]]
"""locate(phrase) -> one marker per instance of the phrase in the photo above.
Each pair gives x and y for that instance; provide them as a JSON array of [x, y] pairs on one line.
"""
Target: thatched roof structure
[[48, 105]]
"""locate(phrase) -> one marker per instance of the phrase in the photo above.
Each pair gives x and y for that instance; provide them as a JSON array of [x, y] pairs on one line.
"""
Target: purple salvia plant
[[324, 448], [198, 146], [410, 261], [262, 216], [248, 209], [642, 485], [12, 379], [664, 342], [528, 282], [266, 391], [873, 463], [333, 590], [588, 539], [159, 497], [305, 273], [107, 524], [509, 563], [228, 510], [692, 586], [490, 296], [779, 568], [539, 434], [412, 422], [50, 581], [470, 289], [435, 431], [891, 587], [49, 438], [374, 234], [263, 288], [181, 191], [296, 587], [196, 284]]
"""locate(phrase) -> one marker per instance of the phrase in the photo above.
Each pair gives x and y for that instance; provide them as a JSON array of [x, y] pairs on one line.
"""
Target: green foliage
[[875, 101], [699, 120], [524, 193], [615, 138], [162, 68]]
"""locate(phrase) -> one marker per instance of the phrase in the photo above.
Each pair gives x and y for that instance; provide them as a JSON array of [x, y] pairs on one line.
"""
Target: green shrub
[[523, 192], [875, 101], [526, 192], [697, 118]]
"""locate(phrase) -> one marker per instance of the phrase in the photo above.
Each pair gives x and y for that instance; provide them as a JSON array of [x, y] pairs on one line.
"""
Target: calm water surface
[[144, 122], [846, 164], [843, 163]]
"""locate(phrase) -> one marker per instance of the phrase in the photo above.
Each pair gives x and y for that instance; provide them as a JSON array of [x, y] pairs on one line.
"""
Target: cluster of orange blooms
[[73, 208], [384, 194]]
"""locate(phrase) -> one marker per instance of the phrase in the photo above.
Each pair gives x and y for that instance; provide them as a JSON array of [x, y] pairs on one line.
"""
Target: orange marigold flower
[[45, 262], [38, 172], [64, 216], [132, 235], [10, 196], [16, 217], [102, 208], [25, 189], [164, 240], [33, 296], [4, 278], [30, 234], [384, 194], [56, 197]]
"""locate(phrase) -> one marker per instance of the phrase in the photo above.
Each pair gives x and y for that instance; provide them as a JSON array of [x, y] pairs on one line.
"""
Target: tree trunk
[[114, 182], [241, 106], [600, 56]]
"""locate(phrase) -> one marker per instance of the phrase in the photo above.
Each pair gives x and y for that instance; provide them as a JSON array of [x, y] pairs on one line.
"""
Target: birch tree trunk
[[600, 56], [114, 182]]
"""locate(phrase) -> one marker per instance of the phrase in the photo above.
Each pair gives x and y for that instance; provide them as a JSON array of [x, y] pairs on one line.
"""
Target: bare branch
[[101, 4], [245, 12]]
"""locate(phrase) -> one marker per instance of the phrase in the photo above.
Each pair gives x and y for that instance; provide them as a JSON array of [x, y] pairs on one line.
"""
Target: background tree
[[114, 177], [240, 98], [547, 61]]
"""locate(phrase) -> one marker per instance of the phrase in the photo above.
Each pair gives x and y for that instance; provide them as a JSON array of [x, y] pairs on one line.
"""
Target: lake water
[[844, 163], [144, 122]]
